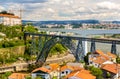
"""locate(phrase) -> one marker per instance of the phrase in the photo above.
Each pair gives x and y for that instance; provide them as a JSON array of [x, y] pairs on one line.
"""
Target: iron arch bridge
[[74, 43]]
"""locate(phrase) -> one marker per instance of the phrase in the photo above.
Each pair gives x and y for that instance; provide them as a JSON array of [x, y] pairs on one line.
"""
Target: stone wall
[[15, 50]]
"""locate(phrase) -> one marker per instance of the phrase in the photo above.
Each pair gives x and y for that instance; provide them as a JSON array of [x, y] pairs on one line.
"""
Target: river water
[[104, 47]]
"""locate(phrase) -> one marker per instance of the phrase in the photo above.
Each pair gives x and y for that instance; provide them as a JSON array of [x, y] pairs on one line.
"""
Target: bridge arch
[[76, 50]]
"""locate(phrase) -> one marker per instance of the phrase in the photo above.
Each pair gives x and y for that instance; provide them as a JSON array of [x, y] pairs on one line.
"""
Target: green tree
[[118, 59], [28, 77], [96, 72], [86, 57]]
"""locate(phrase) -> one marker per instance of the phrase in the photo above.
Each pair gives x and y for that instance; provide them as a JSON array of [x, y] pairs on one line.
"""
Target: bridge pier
[[93, 47], [79, 51], [113, 47], [85, 47]]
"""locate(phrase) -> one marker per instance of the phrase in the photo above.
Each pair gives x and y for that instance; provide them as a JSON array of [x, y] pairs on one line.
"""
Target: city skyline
[[64, 10]]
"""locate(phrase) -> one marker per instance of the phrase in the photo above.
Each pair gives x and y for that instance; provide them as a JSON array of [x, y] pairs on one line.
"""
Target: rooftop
[[17, 76], [113, 68]]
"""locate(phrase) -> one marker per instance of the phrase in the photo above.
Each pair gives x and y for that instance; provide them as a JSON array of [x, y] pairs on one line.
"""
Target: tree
[[86, 57], [96, 72], [118, 59]]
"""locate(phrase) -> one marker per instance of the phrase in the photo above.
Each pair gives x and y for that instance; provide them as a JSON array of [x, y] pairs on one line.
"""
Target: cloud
[[64, 9], [108, 5], [22, 1], [1, 8]]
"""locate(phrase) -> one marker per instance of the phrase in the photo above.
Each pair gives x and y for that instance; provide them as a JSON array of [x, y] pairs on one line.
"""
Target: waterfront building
[[7, 19]]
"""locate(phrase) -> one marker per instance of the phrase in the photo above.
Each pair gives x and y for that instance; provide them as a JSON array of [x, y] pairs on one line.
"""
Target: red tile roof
[[54, 66], [99, 52], [66, 67], [41, 69], [17, 76], [111, 55], [113, 68], [10, 16], [83, 74], [100, 59]]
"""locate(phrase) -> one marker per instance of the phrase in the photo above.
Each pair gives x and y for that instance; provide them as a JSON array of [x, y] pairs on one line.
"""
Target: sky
[[44, 10]]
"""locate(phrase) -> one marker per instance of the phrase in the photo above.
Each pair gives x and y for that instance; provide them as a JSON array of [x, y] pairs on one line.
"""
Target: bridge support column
[[85, 47], [113, 47], [33, 46], [93, 47], [79, 51]]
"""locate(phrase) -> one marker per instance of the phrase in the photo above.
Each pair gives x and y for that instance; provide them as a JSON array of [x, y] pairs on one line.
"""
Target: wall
[[16, 50]]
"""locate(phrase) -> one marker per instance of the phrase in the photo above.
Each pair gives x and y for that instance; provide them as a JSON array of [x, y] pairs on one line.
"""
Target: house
[[112, 69], [98, 58], [112, 56], [7, 19], [42, 72], [82, 74], [17, 76], [65, 70], [47, 72]]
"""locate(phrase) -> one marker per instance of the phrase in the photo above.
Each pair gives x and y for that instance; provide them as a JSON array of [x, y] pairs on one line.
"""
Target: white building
[[7, 19]]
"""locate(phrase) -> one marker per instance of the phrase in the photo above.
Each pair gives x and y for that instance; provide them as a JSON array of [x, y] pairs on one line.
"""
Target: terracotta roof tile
[[111, 55], [10, 16], [99, 52], [100, 59], [54, 66], [66, 67], [83, 74], [111, 67], [41, 69], [17, 76]]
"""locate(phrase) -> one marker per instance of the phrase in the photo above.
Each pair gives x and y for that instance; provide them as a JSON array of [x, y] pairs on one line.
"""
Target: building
[[112, 69], [82, 74], [42, 72], [98, 58], [7, 19], [17, 76], [47, 72]]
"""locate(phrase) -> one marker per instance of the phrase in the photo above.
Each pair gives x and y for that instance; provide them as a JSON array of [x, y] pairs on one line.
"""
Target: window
[[62, 72], [66, 72]]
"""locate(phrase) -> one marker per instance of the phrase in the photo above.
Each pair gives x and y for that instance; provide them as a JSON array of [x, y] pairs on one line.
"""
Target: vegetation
[[96, 72], [13, 36], [5, 75], [118, 59], [86, 57], [58, 48]]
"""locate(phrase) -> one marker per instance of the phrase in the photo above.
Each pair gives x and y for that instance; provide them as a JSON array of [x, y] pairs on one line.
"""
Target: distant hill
[[37, 23], [118, 22]]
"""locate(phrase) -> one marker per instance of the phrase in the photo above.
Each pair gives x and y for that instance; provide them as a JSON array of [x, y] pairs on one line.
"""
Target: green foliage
[[11, 43], [58, 48], [8, 57], [96, 72], [28, 77], [108, 75], [116, 36], [55, 77], [118, 59], [5, 75], [86, 57], [38, 77], [31, 67], [30, 29], [11, 31], [77, 25]]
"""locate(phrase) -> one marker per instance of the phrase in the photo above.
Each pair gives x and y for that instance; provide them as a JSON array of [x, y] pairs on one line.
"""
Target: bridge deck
[[79, 38]]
